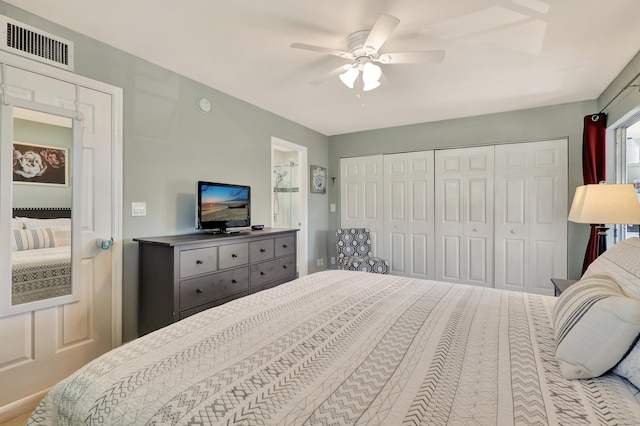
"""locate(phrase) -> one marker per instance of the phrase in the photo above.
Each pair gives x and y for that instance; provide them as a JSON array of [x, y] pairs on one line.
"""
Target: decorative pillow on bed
[[595, 324], [30, 223], [31, 239], [16, 223], [620, 262], [62, 235], [629, 367]]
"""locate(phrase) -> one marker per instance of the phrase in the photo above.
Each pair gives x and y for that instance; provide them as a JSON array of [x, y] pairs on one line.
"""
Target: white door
[[48, 344], [531, 215], [361, 196], [464, 215], [408, 214]]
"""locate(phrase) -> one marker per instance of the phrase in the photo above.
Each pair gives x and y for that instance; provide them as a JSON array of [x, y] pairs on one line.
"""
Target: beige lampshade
[[605, 204]]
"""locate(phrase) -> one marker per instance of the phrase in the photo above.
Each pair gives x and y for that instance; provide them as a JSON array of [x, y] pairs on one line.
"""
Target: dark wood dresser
[[181, 275]]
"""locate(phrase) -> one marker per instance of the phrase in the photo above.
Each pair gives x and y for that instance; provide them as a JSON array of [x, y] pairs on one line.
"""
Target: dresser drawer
[[272, 270], [198, 261], [198, 291], [232, 255], [285, 246], [261, 250]]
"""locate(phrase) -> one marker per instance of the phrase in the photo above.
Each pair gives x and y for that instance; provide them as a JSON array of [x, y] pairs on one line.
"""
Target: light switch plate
[[139, 208]]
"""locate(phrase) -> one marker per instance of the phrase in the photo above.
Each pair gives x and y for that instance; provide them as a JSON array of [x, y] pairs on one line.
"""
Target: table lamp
[[602, 204]]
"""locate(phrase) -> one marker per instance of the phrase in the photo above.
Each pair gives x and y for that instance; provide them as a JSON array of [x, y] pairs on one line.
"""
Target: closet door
[[361, 195], [408, 214], [531, 215], [464, 215]]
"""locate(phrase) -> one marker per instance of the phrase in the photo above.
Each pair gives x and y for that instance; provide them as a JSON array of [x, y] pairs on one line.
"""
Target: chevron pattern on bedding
[[344, 347]]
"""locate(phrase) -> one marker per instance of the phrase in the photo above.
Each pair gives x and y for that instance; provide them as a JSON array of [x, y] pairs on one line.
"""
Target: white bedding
[[40, 274], [342, 347]]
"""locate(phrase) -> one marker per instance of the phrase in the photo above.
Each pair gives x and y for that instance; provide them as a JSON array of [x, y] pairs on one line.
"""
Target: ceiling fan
[[364, 54]]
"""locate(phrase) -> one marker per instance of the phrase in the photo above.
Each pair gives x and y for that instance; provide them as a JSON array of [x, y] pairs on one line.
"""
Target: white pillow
[[620, 262], [62, 235], [595, 324], [30, 223], [31, 239], [629, 367], [17, 223]]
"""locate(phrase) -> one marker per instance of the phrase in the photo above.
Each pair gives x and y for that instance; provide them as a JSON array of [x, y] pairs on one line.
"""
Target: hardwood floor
[[17, 421]]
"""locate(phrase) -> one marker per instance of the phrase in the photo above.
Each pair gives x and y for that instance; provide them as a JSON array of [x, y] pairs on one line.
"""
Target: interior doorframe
[[303, 233], [116, 94]]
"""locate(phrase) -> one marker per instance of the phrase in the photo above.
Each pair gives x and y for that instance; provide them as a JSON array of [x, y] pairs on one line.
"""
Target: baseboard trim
[[21, 406]]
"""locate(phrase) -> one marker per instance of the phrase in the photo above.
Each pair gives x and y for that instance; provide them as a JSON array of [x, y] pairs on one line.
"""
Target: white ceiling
[[500, 55]]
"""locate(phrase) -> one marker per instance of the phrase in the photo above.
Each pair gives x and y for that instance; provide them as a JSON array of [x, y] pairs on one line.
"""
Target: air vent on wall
[[33, 43]]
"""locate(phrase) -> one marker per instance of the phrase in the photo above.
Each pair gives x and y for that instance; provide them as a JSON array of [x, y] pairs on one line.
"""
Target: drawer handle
[[199, 262], [199, 290], [284, 266], [284, 246], [261, 272], [234, 255], [234, 282], [262, 250]]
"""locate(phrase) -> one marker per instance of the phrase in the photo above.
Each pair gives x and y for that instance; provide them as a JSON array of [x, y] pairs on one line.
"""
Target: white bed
[[40, 257], [343, 348]]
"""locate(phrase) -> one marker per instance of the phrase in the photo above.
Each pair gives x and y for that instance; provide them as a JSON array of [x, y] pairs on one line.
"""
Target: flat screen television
[[221, 206]]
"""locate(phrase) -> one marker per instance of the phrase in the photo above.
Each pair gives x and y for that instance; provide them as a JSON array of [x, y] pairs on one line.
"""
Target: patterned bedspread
[[40, 274], [342, 348]]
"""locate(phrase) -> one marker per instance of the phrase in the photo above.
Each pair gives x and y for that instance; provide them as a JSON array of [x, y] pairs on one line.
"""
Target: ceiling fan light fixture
[[349, 77], [371, 73], [370, 85]]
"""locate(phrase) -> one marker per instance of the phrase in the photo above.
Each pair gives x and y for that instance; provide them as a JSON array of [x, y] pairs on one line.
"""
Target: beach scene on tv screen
[[222, 203]]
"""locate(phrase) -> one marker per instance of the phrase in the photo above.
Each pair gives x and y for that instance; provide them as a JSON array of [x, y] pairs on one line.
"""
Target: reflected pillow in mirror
[[62, 235], [30, 223], [32, 239]]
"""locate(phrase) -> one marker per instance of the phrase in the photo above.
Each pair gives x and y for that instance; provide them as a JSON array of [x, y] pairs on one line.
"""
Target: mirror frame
[[6, 205]]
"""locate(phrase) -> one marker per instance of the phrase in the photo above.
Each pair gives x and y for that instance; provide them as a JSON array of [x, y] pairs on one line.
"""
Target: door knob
[[105, 244]]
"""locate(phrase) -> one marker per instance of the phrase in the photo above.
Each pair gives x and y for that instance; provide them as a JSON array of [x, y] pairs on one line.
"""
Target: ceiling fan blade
[[321, 49], [381, 30], [331, 74], [420, 57]]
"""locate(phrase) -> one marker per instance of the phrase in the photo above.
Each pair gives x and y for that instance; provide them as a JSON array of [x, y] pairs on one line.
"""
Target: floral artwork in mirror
[[40, 164]]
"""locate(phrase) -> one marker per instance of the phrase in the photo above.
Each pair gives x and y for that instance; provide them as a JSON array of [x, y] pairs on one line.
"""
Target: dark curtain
[[593, 168]]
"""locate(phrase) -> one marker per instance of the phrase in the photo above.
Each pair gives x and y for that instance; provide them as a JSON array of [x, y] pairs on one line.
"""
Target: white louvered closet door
[[531, 215], [409, 214], [464, 209], [361, 196]]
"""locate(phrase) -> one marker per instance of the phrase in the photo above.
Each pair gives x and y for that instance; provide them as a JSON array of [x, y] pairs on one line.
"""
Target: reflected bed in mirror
[[40, 254]]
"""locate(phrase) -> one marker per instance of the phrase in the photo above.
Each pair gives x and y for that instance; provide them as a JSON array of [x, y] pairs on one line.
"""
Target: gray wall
[[526, 125], [169, 145]]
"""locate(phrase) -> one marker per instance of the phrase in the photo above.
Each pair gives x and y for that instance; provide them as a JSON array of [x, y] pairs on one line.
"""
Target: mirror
[[41, 152]]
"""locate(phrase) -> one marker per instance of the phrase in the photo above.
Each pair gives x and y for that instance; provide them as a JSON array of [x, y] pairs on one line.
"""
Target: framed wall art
[[40, 164], [318, 180]]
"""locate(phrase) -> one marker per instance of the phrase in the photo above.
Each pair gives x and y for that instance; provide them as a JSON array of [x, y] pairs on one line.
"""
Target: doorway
[[288, 195]]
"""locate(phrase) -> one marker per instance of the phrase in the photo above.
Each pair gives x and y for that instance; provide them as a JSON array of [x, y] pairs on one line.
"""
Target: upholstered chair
[[354, 252]]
